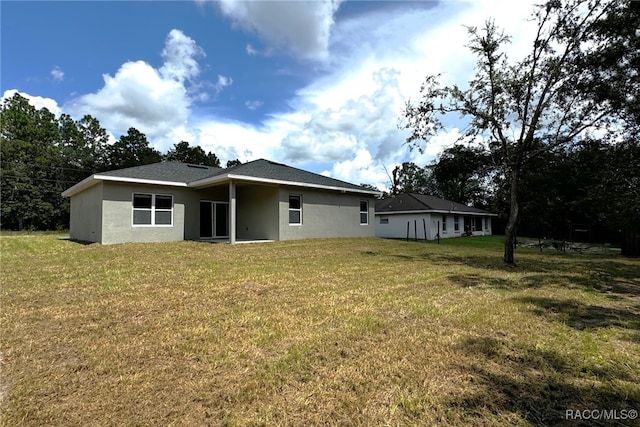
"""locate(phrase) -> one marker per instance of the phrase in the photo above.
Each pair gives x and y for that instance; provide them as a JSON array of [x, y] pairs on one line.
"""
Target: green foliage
[[462, 173], [232, 163], [411, 178], [31, 167], [182, 152], [131, 150]]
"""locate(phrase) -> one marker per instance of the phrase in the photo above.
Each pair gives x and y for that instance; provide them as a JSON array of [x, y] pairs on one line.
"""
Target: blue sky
[[319, 85]]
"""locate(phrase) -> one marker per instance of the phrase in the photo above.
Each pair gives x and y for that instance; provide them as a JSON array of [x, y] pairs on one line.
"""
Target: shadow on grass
[[582, 316], [613, 276], [79, 242], [539, 386]]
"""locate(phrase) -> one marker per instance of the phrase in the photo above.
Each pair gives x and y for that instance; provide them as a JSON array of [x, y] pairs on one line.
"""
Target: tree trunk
[[509, 232]]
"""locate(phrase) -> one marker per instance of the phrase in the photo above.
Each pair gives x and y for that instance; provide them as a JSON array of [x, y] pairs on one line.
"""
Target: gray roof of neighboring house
[[408, 202], [184, 174]]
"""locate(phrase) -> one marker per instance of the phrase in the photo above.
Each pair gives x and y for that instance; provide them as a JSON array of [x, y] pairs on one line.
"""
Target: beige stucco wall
[[117, 225], [325, 214], [86, 215], [103, 213]]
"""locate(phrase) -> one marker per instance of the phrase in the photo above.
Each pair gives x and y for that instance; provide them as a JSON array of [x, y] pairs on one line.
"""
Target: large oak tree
[[524, 108]]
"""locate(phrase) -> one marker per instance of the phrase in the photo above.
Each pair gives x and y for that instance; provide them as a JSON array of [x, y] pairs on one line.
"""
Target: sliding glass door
[[214, 219]]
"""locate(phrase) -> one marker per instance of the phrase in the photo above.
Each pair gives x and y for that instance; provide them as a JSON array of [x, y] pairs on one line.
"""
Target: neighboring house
[[423, 217], [259, 200]]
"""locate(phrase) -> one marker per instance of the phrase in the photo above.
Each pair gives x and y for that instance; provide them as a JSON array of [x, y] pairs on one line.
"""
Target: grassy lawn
[[320, 332]]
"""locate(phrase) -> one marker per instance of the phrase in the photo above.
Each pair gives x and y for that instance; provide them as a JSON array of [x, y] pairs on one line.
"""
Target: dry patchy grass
[[319, 332]]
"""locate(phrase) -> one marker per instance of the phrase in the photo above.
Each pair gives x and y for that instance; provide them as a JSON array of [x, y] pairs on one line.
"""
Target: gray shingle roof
[[422, 202], [267, 169], [165, 171], [183, 173]]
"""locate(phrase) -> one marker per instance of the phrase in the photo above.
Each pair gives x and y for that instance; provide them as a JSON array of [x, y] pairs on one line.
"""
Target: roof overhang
[[221, 179], [436, 211], [215, 180], [96, 178]]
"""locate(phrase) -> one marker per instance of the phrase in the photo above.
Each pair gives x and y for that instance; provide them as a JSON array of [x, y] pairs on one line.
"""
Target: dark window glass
[[222, 220], [164, 202], [294, 202], [142, 201], [364, 212]]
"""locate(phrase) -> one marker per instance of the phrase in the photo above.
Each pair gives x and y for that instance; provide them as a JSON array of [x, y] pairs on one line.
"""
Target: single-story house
[[419, 216], [259, 200]]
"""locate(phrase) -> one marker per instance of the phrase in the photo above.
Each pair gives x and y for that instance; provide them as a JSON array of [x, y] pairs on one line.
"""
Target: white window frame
[[366, 212], [456, 223], [299, 196], [152, 210], [444, 223]]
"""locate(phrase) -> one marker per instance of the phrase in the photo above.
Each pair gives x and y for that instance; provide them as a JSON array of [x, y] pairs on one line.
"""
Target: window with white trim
[[364, 212], [384, 220], [152, 209], [295, 209], [444, 223], [456, 223]]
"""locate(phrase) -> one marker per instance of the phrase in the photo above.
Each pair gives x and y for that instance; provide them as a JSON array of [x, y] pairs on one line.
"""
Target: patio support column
[[232, 212]]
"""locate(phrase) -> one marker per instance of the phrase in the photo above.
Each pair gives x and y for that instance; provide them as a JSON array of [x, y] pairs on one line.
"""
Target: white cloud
[[251, 51], [230, 140], [360, 170], [37, 101], [154, 101], [253, 104], [222, 83], [57, 74], [304, 27], [136, 96], [367, 121], [180, 55]]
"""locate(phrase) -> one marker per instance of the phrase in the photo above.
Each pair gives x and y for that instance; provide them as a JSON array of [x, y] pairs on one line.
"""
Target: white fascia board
[[81, 186], [140, 181], [433, 211], [94, 179], [226, 177]]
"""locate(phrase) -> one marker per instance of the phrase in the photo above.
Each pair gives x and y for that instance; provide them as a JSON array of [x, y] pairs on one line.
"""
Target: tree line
[[42, 155]]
